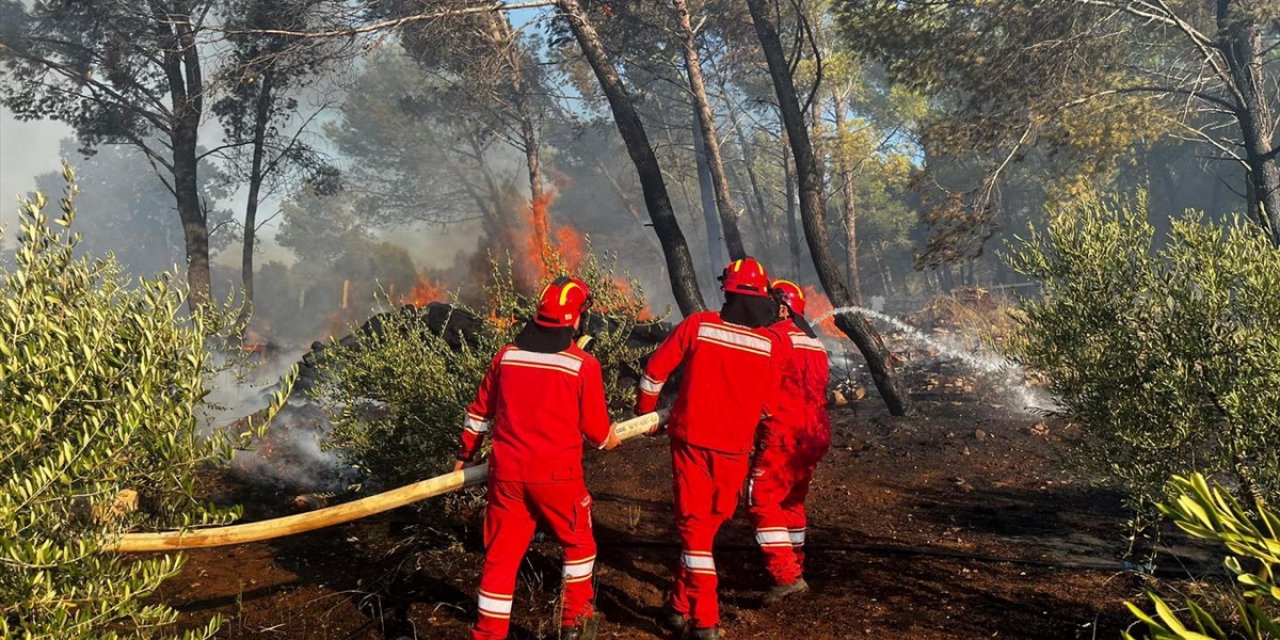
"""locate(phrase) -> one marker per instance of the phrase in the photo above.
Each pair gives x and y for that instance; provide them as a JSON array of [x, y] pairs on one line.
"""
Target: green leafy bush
[[396, 397], [1209, 513], [1168, 355], [100, 381]]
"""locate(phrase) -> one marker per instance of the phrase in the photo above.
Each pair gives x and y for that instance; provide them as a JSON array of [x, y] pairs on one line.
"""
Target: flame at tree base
[[816, 306], [539, 251]]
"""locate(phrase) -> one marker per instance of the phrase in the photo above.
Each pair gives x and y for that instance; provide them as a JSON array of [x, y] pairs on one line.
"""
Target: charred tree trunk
[[1243, 47], [810, 175], [684, 279], [715, 255], [261, 117], [841, 154], [710, 141]]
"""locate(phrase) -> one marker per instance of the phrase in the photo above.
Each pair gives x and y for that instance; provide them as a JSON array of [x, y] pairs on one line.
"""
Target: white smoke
[[289, 455]]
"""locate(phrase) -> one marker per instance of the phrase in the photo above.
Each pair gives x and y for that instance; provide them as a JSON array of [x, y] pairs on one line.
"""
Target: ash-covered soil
[[952, 524]]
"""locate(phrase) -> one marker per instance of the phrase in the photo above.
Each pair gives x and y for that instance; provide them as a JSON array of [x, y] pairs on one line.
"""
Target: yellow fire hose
[[337, 514]]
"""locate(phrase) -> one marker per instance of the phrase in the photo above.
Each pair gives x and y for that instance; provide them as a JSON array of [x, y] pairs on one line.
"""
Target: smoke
[[289, 456], [27, 149]]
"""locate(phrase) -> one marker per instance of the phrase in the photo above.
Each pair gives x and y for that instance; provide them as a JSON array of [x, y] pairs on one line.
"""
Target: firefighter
[[540, 397], [792, 439], [731, 361]]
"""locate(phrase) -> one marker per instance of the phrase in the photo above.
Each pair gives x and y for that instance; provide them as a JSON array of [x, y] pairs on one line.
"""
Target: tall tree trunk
[[793, 234], [710, 141], [841, 154], [684, 279], [854, 325], [183, 75], [261, 117], [1242, 44], [506, 41], [523, 104], [715, 254]]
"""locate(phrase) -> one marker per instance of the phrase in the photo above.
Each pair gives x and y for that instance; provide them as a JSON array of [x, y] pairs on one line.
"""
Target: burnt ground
[[952, 524]]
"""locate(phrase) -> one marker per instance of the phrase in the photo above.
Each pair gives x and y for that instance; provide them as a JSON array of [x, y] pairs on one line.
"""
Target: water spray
[[1014, 374]]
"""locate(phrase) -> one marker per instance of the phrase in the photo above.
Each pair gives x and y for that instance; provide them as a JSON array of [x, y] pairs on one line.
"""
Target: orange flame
[[817, 304], [570, 246], [539, 235], [424, 292], [547, 248], [644, 314], [554, 247]]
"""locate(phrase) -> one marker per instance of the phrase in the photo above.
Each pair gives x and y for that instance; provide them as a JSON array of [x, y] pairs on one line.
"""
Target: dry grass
[[977, 318]]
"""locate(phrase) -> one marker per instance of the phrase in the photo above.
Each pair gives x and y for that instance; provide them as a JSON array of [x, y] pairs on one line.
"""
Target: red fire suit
[[793, 438], [538, 407], [731, 375]]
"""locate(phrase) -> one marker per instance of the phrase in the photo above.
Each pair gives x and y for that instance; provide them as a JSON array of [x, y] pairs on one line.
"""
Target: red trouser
[[513, 513], [707, 484], [780, 479]]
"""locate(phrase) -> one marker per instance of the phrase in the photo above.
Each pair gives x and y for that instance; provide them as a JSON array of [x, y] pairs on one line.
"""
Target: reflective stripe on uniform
[[698, 561], [475, 424], [494, 605], [797, 537], [801, 341], [773, 537], [741, 341], [578, 570], [649, 385], [554, 361]]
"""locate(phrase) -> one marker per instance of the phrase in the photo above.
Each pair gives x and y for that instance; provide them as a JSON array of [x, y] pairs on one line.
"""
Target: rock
[[980, 434], [1039, 429]]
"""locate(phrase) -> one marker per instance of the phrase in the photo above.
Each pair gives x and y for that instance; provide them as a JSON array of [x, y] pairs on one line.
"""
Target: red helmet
[[562, 302], [746, 276], [791, 295]]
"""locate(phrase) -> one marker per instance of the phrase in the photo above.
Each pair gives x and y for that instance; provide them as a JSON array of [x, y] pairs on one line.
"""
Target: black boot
[[674, 621], [584, 631], [707, 634], [783, 591]]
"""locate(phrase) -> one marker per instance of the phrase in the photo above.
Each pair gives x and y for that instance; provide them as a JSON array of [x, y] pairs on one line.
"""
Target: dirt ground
[[945, 525]]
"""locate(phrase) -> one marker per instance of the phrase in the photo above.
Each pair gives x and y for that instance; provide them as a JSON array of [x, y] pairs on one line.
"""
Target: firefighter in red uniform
[[731, 361], [541, 396], [793, 438]]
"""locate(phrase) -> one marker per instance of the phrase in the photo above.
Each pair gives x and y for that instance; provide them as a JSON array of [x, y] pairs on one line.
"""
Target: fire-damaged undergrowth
[[395, 390]]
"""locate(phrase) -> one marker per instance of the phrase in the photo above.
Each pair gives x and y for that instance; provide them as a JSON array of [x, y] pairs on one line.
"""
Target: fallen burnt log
[[458, 327]]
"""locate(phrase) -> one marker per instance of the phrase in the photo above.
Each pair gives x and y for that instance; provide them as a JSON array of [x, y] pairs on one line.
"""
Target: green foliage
[[397, 396], [1168, 356], [100, 384], [1209, 513]]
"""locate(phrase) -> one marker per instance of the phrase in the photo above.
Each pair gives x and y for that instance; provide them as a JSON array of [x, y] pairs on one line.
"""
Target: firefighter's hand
[[460, 465], [612, 441]]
